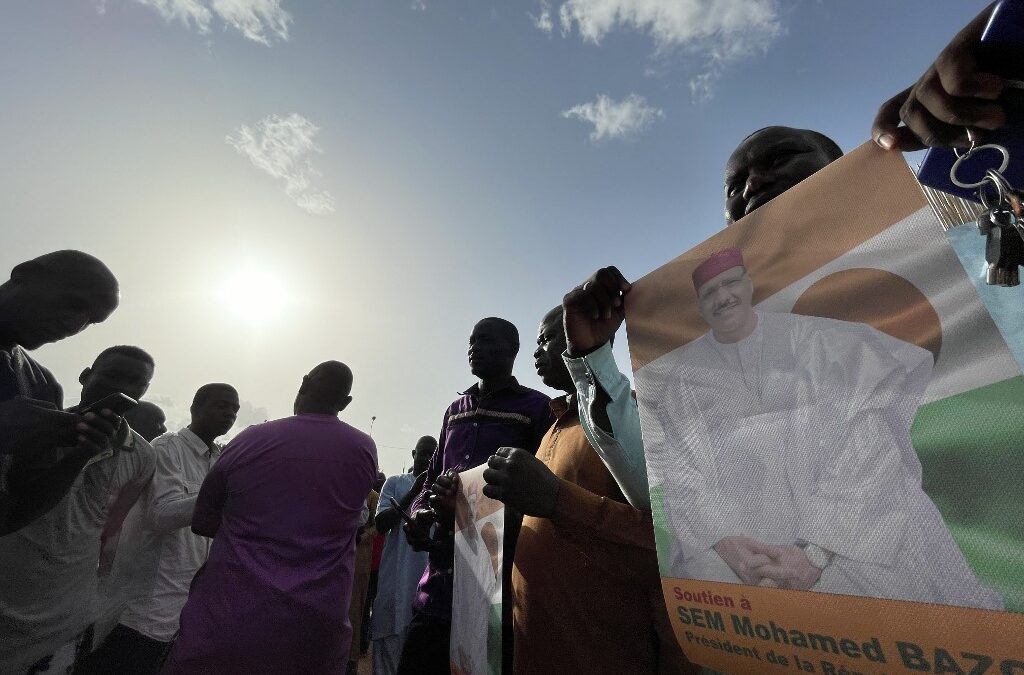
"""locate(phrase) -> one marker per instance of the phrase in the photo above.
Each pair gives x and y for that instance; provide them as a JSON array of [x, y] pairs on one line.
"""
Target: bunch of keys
[[1002, 222]]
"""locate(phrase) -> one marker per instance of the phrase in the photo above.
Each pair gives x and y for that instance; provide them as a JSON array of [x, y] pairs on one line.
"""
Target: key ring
[[973, 150]]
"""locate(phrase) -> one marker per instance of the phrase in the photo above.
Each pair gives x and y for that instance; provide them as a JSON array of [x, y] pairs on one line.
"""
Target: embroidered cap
[[716, 264]]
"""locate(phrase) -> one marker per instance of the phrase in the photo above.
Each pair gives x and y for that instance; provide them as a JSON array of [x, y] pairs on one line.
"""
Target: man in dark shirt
[[46, 300], [495, 412]]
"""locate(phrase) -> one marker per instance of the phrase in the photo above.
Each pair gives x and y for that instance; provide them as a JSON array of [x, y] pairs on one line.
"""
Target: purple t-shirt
[[474, 428], [284, 501]]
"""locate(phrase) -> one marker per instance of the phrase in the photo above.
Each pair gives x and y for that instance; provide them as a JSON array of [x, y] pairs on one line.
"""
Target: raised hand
[[594, 310], [953, 94]]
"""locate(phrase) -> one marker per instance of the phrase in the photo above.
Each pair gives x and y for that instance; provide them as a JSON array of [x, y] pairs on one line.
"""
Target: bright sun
[[254, 295]]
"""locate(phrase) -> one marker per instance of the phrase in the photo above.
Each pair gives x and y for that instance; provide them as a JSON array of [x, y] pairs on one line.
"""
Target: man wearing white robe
[[783, 444]]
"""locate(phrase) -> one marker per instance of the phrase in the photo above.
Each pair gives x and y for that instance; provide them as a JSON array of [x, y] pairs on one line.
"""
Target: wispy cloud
[[544, 20], [615, 119], [262, 21], [282, 146], [722, 31]]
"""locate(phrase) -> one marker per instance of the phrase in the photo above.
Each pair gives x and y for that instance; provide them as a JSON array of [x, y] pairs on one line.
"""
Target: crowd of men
[[128, 548]]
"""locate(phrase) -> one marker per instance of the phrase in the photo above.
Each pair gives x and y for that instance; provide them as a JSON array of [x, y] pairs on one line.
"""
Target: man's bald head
[[325, 390], [55, 296], [770, 161]]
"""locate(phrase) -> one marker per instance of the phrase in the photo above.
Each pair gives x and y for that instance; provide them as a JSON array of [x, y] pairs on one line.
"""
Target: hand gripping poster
[[476, 600], [832, 408]]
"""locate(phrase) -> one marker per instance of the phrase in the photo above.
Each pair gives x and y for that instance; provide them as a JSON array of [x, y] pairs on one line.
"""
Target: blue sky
[[425, 172]]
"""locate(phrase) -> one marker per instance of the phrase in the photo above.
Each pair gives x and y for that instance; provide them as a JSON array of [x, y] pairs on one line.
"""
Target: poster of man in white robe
[[476, 599], [787, 458]]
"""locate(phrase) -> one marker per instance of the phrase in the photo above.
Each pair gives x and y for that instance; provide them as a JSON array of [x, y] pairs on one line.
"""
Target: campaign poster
[[832, 408], [476, 605]]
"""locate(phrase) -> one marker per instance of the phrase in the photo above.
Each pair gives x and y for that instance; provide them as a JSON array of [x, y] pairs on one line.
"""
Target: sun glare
[[254, 295]]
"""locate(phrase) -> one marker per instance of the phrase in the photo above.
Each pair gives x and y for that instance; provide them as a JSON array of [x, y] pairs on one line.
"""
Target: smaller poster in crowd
[[476, 614]]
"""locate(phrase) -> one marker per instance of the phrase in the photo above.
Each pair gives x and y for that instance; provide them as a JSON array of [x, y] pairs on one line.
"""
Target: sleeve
[[172, 503], [389, 490], [621, 448], [867, 394], [210, 501], [434, 469], [682, 463], [606, 530]]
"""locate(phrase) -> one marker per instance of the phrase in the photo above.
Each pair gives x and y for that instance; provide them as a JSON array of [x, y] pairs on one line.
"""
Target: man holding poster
[[806, 477]]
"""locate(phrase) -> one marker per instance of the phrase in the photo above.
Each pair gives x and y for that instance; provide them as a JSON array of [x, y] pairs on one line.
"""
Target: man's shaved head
[[325, 390], [505, 327], [332, 376]]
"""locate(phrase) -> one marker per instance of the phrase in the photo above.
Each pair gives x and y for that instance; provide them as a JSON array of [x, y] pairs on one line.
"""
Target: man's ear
[[344, 403], [84, 376]]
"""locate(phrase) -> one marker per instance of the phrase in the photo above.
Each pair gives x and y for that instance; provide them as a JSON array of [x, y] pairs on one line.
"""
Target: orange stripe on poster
[[856, 197], [747, 629]]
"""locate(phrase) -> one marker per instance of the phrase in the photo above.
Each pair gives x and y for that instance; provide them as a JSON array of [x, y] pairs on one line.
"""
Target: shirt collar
[[197, 443], [512, 384], [563, 405]]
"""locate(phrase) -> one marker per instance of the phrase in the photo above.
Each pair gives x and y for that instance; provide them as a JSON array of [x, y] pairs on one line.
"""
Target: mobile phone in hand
[[117, 403], [402, 512]]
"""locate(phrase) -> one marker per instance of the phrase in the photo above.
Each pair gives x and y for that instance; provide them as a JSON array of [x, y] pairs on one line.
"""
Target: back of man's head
[[326, 389]]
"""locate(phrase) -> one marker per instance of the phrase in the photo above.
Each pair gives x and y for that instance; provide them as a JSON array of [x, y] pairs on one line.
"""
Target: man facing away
[[400, 566], [579, 534], [157, 552], [47, 299], [496, 411], [48, 568], [282, 505]]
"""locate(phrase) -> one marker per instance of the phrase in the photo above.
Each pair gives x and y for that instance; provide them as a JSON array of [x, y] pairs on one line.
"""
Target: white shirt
[[48, 580], [158, 554]]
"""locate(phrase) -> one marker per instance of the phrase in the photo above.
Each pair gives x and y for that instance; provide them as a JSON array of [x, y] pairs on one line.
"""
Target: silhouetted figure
[[42, 449], [49, 594]]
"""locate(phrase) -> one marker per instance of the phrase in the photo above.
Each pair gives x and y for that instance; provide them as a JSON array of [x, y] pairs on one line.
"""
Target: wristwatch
[[816, 555]]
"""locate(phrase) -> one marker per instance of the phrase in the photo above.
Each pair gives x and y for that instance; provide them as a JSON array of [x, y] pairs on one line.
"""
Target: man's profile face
[[491, 352], [547, 357], [726, 300], [218, 412], [767, 164], [116, 373]]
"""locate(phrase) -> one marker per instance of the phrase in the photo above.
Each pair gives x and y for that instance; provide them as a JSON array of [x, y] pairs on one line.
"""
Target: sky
[[276, 183]]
